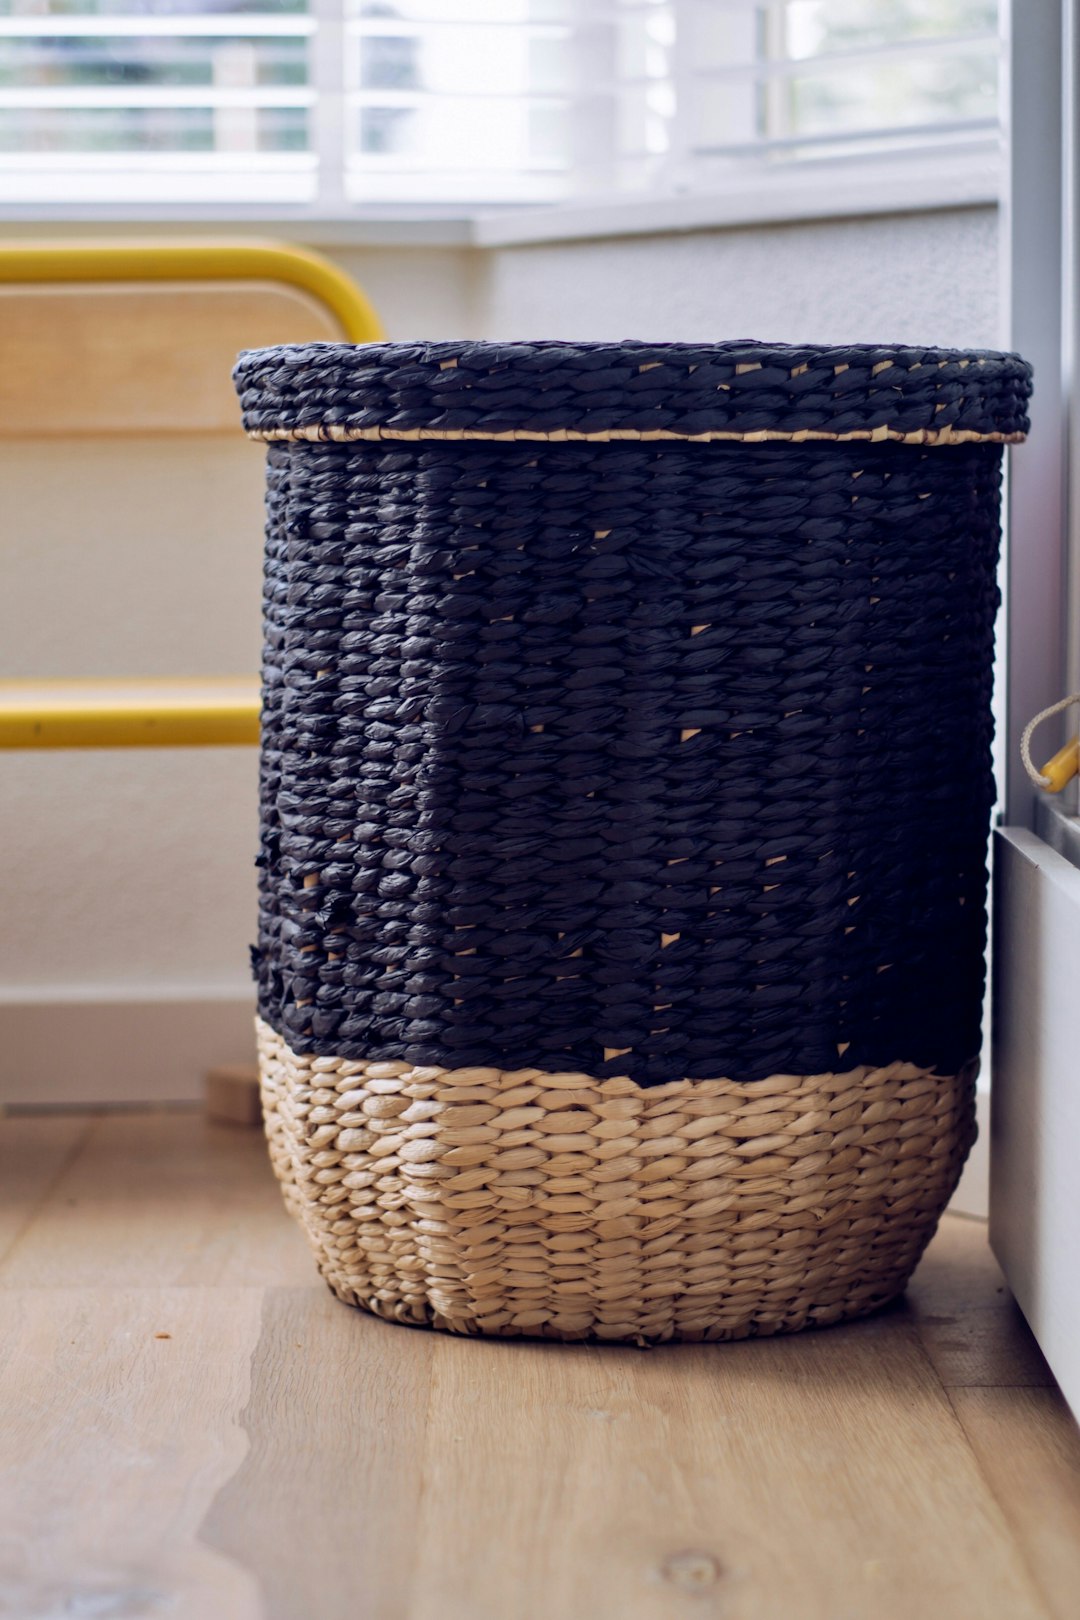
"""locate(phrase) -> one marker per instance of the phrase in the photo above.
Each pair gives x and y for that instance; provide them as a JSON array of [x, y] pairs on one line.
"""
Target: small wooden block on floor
[[231, 1094]]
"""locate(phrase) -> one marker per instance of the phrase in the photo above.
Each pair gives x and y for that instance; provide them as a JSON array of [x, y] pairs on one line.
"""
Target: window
[[704, 90], [334, 105], [457, 101]]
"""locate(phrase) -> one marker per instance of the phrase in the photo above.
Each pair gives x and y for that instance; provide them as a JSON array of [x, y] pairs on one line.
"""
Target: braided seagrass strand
[[557, 1204], [601, 391], [662, 761]]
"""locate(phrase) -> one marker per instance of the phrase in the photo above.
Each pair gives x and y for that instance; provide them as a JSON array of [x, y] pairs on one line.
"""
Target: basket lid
[[594, 391]]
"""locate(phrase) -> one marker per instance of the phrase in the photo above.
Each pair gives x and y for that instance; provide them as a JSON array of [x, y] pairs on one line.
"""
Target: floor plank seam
[[1017, 1542], [976, 1462]]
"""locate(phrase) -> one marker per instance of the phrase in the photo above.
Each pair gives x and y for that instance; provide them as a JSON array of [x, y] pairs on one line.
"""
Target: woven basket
[[625, 791]]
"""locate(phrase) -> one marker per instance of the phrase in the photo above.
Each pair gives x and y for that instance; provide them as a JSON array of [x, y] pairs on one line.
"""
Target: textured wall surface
[[419, 292], [128, 875], [128, 868], [923, 278]]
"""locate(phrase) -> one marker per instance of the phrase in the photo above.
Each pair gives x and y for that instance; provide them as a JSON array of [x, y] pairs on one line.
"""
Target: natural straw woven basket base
[[525, 1203]]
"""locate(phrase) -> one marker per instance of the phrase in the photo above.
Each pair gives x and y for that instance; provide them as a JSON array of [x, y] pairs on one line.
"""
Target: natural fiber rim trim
[[321, 433]]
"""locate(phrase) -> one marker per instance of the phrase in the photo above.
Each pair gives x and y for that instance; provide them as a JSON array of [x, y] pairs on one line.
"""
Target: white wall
[[929, 278], [130, 872], [127, 875], [419, 292]]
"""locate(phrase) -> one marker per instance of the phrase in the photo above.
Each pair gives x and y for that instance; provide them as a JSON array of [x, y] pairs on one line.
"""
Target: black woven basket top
[[738, 390]]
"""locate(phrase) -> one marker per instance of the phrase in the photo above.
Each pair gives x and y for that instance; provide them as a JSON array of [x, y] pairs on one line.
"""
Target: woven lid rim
[[735, 389], [510, 349]]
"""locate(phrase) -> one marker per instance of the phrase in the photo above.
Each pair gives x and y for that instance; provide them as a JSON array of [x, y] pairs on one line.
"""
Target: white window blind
[[339, 105]]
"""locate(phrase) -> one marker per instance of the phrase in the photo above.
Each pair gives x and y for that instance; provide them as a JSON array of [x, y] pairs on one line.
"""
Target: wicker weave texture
[[663, 761], [625, 782], [527, 1203]]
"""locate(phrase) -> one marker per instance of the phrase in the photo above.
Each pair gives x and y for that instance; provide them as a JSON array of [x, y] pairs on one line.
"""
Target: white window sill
[[385, 229], [838, 189]]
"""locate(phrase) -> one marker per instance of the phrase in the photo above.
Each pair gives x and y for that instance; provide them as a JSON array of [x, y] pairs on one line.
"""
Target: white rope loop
[[1037, 777]]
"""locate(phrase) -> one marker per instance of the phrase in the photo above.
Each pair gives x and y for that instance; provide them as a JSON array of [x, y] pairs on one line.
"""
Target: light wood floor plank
[[1029, 1451], [115, 1442], [958, 1270], [820, 1476], [325, 1511], [481, 1480], [163, 1199], [281, 1457], [34, 1151], [972, 1328]]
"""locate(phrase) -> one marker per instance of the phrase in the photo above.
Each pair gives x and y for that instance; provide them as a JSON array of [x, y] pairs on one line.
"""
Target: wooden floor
[[194, 1428]]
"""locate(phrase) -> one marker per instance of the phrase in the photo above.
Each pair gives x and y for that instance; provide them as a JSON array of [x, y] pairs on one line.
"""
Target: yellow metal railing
[[150, 713], [153, 713], [197, 261]]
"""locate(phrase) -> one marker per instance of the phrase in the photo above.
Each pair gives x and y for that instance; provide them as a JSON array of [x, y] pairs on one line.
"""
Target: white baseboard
[[99, 1050]]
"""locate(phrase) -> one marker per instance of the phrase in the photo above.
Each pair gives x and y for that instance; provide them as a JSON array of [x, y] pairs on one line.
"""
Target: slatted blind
[[331, 105]]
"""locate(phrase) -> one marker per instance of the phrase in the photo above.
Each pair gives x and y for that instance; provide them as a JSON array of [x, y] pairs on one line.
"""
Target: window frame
[[1039, 256], [955, 171]]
